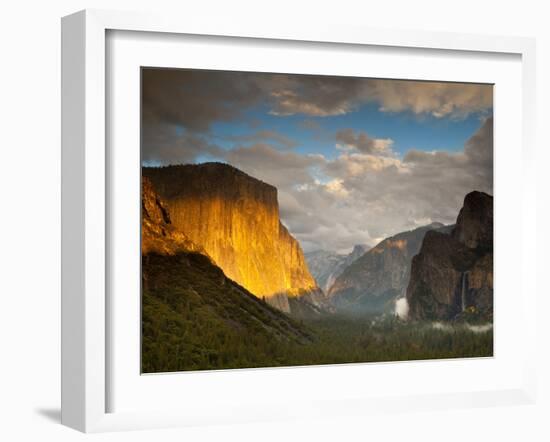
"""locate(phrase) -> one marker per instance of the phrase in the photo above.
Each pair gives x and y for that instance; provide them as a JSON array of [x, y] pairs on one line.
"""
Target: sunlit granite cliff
[[235, 219], [186, 299], [158, 235]]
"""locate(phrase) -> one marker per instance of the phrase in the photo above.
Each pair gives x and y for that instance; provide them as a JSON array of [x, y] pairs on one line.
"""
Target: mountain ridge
[[326, 266], [373, 282]]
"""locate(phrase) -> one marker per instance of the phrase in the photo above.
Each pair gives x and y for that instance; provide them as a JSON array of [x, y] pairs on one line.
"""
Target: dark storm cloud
[[194, 98], [163, 144], [316, 96]]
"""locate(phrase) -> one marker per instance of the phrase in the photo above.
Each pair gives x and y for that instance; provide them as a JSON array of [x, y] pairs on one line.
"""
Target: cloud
[[321, 96], [348, 140], [366, 198], [194, 99], [479, 148], [315, 96], [477, 153], [325, 96], [396, 195], [165, 144], [352, 165], [336, 187], [438, 99], [366, 192], [289, 102], [282, 169]]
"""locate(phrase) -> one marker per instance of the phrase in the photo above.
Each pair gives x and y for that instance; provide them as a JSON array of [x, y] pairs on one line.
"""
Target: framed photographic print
[[265, 223], [277, 231]]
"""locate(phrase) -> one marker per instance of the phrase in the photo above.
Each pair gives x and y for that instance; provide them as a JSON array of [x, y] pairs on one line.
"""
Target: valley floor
[[346, 340], [334, 340]]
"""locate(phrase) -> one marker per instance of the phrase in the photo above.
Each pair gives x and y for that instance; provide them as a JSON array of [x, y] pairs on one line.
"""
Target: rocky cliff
[[235, 219], [158, 235], [193, 316], [452, 276], [374, 281]]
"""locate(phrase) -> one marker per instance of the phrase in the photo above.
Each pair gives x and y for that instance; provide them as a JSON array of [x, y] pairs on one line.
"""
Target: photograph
[[301, 220], [253, 222]]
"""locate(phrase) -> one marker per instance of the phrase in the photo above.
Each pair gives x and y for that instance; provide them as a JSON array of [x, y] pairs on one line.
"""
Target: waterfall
[[463, 290]]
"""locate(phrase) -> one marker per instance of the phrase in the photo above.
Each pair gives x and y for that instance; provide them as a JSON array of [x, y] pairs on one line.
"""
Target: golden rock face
[[158, 235], [235, 218]]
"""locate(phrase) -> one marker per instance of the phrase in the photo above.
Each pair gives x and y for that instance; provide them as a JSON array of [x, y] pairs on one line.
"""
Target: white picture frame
[[85, 310]]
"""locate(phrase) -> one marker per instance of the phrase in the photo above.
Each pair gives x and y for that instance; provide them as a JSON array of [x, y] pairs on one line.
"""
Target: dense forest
[[190, 324]]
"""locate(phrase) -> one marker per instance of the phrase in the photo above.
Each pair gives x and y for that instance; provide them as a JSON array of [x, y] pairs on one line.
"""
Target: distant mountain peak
[[360, 249], [375, 280], [326, 266]]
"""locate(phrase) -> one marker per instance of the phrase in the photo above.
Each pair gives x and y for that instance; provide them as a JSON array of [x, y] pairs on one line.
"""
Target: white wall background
[[30, 216]]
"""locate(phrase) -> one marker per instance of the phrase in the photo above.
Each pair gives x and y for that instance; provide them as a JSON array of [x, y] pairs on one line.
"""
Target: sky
[[355, 160]]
